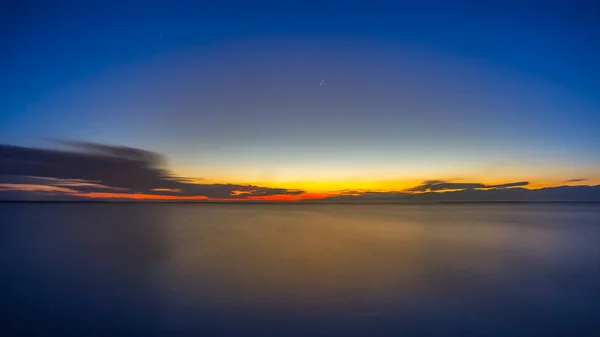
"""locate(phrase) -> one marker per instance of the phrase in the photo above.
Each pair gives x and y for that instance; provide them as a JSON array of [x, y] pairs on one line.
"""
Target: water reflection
[[74, 268], [496, 270]]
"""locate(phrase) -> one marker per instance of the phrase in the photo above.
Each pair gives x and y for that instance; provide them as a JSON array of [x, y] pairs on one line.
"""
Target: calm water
[[301, 270]]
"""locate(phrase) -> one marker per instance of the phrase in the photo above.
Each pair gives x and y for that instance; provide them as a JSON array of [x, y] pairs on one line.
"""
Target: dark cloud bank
[[88, 167], [81, 167]]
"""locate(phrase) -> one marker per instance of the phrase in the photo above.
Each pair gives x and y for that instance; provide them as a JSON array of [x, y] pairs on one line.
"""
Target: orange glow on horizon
[[336, 187], [287, 197], [241, 196]]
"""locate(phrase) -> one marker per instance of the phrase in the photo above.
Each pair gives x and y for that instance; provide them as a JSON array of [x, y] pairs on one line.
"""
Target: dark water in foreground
[[309, 270]]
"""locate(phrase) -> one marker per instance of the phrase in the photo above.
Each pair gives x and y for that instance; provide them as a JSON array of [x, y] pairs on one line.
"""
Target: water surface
[[300, 270]]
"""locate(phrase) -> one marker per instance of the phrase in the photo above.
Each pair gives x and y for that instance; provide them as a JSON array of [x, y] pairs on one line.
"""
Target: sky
[[304, 98]]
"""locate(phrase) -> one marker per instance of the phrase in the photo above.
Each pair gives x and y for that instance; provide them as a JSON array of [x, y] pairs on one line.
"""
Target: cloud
[[125, 152], [35, 188], [455, 186], [507, 185], [426, 185], [516, 194], [89, 167], [441, 185], [444, 191], [576, 180]]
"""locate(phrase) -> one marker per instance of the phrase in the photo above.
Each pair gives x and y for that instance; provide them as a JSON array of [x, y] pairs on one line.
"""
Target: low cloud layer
[[515, 194], [441, 185], [82, 167]]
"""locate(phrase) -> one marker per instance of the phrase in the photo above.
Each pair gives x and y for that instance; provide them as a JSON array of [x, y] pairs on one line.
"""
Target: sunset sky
[[306, 99]]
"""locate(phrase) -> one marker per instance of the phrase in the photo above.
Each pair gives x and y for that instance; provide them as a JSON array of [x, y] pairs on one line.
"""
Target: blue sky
[[231, 92]]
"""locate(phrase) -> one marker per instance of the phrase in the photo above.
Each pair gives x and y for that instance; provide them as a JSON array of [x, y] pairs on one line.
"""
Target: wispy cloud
[[576, 180]]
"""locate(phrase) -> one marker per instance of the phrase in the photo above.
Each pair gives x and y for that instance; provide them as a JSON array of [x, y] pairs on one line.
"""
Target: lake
[[300, 270]]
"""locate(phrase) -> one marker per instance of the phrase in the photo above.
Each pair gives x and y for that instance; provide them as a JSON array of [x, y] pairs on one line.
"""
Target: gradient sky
[[486, 91]]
